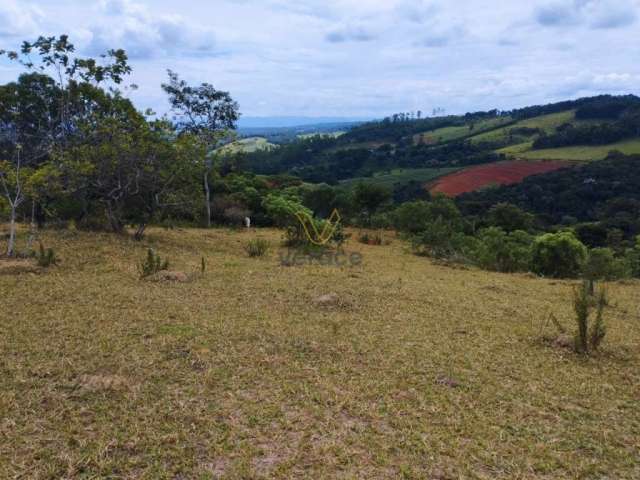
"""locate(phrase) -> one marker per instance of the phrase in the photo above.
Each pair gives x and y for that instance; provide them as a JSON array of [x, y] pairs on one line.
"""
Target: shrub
[[558, 255], [371, 238], [46, 257], [632, 259], [509, 217], [601, 264], [257, 247], [590, 332], [152, 264], [503, 252]]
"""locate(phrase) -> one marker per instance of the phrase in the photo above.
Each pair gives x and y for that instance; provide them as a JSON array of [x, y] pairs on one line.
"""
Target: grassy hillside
[[446, 134], [548, 123], [401, 176], [248, 145], [582, 153], [417, 371]]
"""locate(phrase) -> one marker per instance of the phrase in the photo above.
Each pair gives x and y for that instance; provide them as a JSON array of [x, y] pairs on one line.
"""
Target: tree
[[40, 112], [558, 255], [510, 217], [207, 114], [368, 198]]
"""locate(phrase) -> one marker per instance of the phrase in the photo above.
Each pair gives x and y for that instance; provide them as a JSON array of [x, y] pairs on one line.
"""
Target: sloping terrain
[[500, 173], [414, 371]]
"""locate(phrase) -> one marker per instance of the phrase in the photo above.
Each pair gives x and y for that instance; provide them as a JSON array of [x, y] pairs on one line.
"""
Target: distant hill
[[579, 130], [293, 121]]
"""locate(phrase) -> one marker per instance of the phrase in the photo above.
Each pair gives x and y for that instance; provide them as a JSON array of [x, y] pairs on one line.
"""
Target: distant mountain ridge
[[294, 121]]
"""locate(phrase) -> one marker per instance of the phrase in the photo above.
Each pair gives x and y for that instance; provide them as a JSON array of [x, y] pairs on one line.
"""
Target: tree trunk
[[12, 232], [32, 227], [139, 235], [207, 196]]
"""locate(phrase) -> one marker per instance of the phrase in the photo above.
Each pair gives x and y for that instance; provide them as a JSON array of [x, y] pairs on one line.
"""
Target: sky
[[352, 58]]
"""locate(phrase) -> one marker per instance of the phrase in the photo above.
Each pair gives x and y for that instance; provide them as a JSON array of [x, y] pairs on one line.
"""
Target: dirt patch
[[17, 266], [332, 301], [498, 173], [169, 276]]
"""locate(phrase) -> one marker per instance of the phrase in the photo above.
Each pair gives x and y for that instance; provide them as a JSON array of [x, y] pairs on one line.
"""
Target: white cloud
[[144, 34], [594, 13], [356, 57], [19, 19]]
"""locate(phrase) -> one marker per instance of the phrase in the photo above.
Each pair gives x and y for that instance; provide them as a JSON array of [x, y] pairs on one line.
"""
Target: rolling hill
[[580, 130]]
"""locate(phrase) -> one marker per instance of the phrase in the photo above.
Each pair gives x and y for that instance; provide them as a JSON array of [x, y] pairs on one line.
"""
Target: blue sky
[[353, 57]]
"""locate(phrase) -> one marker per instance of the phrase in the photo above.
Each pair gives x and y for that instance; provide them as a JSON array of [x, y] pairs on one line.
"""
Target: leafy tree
[[40, 112], [510, 217], [503, 252], [208, 115], [368, 198], [558, 255]]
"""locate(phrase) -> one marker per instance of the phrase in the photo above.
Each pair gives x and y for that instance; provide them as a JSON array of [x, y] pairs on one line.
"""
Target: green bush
[[590, 331], [371, 238], [46, 257], [558, 255], [632, 259], [601, 264], [503, 252], [257, 247], [152, 264]]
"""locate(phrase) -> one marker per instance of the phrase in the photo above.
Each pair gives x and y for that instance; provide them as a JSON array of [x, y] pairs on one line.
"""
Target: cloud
[[611, 13], [350, 33], [146, 35], [593, 13], [441, 37], [417, 11], [19, 19]]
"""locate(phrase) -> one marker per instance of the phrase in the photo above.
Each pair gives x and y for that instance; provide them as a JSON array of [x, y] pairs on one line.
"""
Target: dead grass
[[430, 372]]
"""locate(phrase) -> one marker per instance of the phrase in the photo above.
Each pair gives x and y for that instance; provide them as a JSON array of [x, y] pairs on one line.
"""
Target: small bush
[[152, 264], [602, 265], [371, 239], [257, 247], [590, 332], [46, 257]]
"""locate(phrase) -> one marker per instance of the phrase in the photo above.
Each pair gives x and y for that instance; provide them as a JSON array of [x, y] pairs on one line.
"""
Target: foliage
[[558, 255], [257, 247], [601, 264], [152, 264], [503, 251], [46, 257], [368, 238], [590, 331], [510, 217]]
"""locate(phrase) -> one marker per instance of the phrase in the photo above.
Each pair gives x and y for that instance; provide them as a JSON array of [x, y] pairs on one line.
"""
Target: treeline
[[599, 200], [316, 159]]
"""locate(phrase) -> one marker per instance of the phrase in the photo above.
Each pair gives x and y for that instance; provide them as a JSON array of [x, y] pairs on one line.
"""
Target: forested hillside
[[408, 141]]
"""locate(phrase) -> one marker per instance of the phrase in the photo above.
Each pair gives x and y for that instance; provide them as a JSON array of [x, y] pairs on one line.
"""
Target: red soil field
[[499, 173]]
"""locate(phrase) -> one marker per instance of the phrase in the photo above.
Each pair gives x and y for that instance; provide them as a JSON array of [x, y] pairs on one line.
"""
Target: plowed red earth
[[499, 173]]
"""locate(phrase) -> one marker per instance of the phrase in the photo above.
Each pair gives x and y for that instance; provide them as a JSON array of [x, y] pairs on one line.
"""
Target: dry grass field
[[416, 370]]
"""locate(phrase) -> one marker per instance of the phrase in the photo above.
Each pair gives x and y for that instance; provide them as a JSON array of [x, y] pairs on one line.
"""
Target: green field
[[547, 123], [446, 134], [248, 145], [400, 175], [322, 134], [583, 152]]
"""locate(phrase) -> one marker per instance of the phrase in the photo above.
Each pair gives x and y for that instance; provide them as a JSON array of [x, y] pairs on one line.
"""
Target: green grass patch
[[248, 145], [446, 134], [400, 175], [583, 152]]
